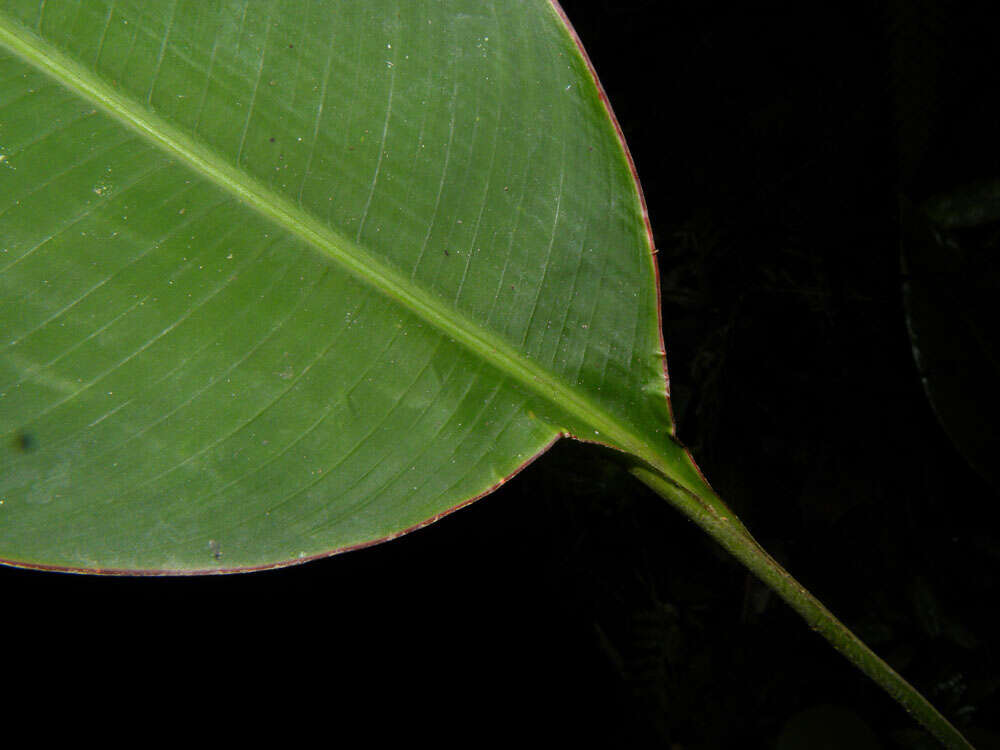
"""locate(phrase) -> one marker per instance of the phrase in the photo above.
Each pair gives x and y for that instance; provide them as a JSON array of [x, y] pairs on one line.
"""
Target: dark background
[[785, 152]]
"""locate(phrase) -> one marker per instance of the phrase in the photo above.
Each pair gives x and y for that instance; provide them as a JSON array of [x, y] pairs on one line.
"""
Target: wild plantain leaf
[[279, 279]]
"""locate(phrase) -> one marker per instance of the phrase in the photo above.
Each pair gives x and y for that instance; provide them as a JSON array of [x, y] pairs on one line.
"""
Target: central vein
[[335, 246]]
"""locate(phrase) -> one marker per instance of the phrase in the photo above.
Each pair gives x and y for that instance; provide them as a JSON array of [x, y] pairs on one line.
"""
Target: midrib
[[485, 344]]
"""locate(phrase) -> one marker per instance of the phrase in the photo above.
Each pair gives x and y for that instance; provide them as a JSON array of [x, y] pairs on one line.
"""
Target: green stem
[[728, 531]]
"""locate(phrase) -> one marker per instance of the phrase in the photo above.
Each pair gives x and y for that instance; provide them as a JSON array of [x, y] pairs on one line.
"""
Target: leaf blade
[[543, 381]]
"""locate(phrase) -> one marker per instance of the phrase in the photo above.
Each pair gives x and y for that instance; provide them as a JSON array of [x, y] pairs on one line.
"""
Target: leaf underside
[[281, 279]]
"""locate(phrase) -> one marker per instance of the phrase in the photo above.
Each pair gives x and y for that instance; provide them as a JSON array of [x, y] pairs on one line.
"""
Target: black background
[[573, 606]]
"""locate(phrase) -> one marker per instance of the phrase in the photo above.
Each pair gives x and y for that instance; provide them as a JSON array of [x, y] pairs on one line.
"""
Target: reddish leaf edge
[[649, 233], [280, 564]]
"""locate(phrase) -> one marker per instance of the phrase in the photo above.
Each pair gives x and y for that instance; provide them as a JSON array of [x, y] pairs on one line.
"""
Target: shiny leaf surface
[[281, 279]]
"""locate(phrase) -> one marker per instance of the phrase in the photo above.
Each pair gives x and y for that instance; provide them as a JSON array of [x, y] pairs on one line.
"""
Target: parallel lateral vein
[[367, 268]]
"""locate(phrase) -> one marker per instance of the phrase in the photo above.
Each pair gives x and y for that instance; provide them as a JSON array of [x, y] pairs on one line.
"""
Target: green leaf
[[280, 279]]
